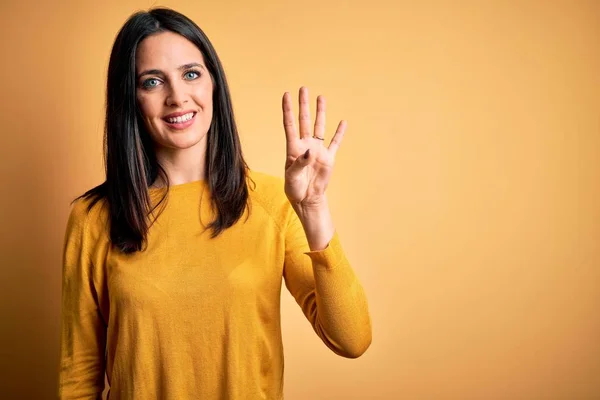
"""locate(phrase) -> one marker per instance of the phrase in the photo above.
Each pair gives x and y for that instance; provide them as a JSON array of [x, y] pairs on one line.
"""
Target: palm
[[306, 179]]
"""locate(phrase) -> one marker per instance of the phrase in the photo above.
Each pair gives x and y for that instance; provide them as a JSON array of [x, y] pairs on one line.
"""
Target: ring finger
[[320, 120]]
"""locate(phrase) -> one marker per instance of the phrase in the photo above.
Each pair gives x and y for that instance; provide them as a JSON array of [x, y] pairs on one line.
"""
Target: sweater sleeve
[[83, 330], [328, 291]]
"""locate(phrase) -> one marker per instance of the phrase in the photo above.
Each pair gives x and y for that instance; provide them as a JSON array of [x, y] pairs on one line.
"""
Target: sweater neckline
[[179, 187]]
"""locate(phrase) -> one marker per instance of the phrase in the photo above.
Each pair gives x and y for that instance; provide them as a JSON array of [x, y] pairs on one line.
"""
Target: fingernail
[[306, 154]]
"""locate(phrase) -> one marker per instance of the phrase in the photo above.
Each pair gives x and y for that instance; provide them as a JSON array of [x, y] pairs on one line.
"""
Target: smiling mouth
[[182, 119]]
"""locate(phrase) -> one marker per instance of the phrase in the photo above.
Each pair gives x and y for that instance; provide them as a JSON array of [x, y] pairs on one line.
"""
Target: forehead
[[166, 50]]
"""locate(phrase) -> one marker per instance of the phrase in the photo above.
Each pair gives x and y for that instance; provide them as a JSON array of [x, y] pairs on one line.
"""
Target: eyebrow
[[159, 72]]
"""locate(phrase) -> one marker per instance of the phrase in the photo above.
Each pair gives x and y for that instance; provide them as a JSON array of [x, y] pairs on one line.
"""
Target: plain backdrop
[[466, 192]]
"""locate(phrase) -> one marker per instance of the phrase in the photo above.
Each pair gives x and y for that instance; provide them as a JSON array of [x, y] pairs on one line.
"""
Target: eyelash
[[145, 83]]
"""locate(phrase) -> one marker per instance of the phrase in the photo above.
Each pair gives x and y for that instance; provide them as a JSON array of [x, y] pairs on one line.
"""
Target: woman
[[173, 266]]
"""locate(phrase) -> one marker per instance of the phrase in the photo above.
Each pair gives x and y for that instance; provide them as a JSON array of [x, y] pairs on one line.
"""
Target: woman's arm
[[323, 284], [83, 330], [328, 291]]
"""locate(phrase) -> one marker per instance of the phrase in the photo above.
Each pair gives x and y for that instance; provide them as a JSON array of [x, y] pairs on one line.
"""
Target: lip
[[182, 125], [178, 114]]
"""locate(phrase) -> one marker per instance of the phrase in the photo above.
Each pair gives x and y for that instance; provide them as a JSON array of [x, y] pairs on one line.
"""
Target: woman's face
[[174, 91]]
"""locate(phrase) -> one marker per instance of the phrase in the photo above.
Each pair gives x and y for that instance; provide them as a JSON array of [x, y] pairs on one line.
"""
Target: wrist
[[317, 223]]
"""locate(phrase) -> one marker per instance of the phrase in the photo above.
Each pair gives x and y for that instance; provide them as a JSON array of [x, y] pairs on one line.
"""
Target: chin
[[183, 141]]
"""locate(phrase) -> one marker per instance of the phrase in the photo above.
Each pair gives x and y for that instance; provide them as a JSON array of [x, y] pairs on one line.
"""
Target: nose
[[177, 95]]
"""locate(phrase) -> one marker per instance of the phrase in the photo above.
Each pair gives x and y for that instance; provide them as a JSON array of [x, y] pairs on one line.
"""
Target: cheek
[[207, 103], [147, 107], [203, 95]]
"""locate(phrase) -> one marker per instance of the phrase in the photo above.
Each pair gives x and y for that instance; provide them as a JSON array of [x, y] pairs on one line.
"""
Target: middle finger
[[304, 115]]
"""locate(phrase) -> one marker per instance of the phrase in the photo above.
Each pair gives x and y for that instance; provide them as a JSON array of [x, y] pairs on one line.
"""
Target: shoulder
[[268, 192], [88, 216], [265, 184]]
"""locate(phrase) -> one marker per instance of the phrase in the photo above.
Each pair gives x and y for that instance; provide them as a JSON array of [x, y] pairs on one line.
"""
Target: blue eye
[[147, 83], [197, 75]]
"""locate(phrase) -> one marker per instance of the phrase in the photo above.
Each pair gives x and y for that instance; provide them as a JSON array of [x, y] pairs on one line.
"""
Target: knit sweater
[[195, 317]]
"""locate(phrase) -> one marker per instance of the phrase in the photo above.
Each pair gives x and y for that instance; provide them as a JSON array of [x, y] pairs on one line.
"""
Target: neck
[[182, 165]]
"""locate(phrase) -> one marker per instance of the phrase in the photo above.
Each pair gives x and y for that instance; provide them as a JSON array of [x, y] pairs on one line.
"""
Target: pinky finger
[[337, 138]]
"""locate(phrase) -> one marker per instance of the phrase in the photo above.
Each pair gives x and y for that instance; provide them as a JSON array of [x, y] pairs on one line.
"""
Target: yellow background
[[466, 192]]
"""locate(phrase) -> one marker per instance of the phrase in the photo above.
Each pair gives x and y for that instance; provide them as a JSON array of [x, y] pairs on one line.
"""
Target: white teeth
[[182, 118]]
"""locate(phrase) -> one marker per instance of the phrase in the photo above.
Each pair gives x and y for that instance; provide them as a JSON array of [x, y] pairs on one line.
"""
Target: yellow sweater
[[193, 317]]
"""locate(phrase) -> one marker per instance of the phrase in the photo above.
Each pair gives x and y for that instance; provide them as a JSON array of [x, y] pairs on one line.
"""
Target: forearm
[[338, 306]]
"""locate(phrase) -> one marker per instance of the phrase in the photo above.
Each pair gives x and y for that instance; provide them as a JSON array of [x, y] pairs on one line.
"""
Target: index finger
[[288, 118]]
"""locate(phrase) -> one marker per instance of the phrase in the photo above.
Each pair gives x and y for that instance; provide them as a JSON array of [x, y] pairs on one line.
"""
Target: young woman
[[173, 266]]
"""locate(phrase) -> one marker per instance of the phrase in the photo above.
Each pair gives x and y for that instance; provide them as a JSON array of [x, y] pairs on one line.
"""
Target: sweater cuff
[[331, 256]]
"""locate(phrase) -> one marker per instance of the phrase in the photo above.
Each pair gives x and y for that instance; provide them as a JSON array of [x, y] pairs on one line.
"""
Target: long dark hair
[[129, 157]]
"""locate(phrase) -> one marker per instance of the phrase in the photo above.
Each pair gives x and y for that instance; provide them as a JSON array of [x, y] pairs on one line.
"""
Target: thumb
[[299, 163]]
